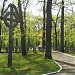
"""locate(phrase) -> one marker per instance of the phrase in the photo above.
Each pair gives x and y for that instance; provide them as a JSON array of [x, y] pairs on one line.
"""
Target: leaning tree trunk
[[62, 27], [22, 30], [48, 30]]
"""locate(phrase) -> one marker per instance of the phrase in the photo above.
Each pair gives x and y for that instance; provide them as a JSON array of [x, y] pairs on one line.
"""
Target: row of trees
[[67, 12], [33, 28], [60, 24]]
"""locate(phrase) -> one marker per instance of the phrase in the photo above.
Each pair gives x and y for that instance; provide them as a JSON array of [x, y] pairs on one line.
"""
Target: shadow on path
[[67, 62]]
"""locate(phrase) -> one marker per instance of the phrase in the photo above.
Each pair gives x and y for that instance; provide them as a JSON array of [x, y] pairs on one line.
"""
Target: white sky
[[33, 8]]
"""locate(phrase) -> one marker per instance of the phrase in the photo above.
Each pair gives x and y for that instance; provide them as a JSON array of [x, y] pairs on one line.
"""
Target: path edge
[[60, 68]]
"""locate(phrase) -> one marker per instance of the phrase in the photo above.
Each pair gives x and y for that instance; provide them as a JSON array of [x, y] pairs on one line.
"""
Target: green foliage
[[69, 29], [33, 29]]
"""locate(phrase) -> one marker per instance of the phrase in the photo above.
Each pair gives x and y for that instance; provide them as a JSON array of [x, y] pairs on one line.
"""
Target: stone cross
[[11, 21]]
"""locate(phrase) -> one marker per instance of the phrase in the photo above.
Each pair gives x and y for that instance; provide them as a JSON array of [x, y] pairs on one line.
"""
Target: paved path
[[66, 61]]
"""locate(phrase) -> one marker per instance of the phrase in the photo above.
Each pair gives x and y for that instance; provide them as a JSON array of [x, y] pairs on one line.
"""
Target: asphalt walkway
[[66, 61]]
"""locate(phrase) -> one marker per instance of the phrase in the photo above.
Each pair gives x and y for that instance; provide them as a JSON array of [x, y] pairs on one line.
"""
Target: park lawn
[[32, 64], [71, 53]]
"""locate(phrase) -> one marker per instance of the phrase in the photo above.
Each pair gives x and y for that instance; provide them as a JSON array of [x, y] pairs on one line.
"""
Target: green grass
[[71, 53], [32, 64]]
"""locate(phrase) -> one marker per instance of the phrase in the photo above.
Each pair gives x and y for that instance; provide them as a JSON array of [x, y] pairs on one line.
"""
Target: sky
[[34, 8]]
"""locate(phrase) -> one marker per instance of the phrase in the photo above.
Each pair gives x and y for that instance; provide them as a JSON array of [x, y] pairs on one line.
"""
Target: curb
[[55, 71], [66, 54]]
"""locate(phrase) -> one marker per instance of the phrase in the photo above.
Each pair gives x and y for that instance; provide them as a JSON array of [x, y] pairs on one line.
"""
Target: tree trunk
[[28, 43], [23, 44], [25, 25], [43, 38], [62, 27], [55, 38], [16, 45], [0, 37], [48, 30]]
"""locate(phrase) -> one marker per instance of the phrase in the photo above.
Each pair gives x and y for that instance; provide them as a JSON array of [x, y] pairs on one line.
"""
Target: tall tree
[[62, 27], [25, 7], [43, 38], [0, 36], [1, 19], [23, 42], [48, 30], [55, 26]]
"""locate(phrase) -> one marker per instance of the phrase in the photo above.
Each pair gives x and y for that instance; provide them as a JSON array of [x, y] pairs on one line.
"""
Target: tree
[[62, 27], [33, 30], [23, 41], [25, 7], [55, 28], [1, 19], [48, 30], [43, 38], [0, 36]]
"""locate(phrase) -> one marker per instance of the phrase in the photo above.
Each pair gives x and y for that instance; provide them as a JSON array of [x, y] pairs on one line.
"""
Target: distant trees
[[64, 26], [31, 27]]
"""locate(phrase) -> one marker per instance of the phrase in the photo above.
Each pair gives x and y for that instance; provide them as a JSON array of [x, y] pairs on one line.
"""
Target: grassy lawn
[[32, 64], [71, 53]]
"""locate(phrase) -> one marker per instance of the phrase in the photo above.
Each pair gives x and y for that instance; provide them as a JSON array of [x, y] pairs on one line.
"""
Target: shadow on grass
[[32, 64], [15, 72], [42, 65], [36, 66]]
